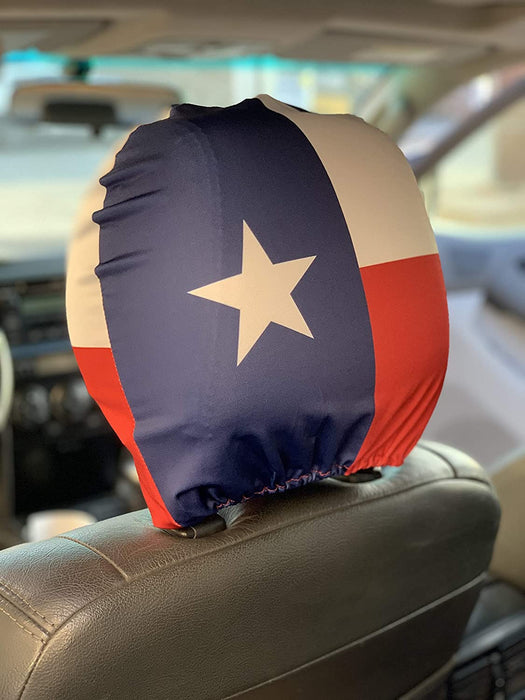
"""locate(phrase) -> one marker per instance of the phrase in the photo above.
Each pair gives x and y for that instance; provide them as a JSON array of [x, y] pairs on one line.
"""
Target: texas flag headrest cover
[[259, 305]]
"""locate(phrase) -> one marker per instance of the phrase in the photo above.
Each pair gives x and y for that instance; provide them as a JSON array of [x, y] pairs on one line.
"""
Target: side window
[[478, 188]]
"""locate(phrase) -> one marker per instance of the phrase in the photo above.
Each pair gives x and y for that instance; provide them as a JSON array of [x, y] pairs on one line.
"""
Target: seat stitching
[[433, 451], [20, 625], [422, 609], [299, 521], [131, 579], [480, 476], [100, 554], [172, 565], [3, 584], [31, 669]]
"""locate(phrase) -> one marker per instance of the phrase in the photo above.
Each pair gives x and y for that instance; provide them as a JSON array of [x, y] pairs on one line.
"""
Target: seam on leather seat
[[269, 530], [132, 579], [434, 452], [19, 624], [478, 580], [44, 642], [11, 591], [298, 521], [32, 668], [126, 579], [483, 478], [432, 682], [100, 554]]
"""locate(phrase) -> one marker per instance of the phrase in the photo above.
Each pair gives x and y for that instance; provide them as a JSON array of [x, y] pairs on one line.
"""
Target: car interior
[[378, 577]]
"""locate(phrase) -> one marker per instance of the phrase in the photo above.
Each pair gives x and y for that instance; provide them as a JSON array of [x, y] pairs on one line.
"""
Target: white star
[[262, 293]]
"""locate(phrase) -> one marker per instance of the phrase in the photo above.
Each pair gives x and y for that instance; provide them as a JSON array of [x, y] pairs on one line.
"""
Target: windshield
[[45, 168]]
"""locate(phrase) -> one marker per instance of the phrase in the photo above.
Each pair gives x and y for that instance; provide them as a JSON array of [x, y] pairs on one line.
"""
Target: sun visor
[[258, 305]]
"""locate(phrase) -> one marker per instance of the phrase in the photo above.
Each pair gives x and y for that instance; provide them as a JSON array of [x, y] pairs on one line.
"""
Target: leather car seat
[[336, 590], [349, 582]]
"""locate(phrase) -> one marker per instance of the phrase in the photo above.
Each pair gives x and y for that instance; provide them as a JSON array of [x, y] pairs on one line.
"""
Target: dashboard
[[63, 449]]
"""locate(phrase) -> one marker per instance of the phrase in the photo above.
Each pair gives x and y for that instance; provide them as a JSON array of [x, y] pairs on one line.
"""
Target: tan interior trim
[[508, 561]]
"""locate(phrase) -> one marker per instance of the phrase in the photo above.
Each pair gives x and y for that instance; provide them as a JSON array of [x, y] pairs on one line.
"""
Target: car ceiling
[[404, 31]]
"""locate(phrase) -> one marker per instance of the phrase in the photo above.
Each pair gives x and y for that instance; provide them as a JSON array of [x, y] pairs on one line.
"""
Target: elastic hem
[[317, 475]]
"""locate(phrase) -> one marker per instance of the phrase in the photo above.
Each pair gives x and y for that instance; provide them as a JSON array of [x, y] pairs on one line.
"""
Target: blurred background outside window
[[45, 168]]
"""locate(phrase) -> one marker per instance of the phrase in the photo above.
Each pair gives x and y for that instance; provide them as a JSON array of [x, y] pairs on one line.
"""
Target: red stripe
[[98, 368], [409, 318]]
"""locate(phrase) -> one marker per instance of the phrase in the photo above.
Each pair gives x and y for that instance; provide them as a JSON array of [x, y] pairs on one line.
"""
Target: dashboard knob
[[31, 406], [70, 401]]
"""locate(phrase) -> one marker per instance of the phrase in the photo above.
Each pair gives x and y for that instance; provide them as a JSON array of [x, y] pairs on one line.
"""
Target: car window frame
[[426, 163]]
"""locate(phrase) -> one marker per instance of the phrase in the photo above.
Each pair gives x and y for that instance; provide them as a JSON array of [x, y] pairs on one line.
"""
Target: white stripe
[[376, 189], [86, 319], [85, 311]]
